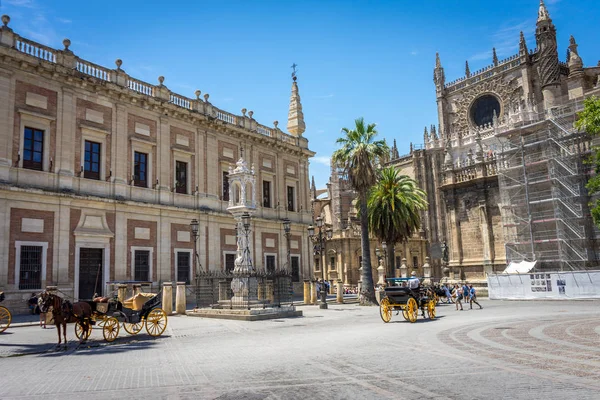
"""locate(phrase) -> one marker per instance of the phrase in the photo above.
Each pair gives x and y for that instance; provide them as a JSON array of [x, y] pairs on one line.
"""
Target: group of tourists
[[459, 294]]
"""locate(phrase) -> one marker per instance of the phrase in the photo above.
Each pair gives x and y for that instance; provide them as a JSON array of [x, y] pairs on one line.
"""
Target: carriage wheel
[[405, 313], [431, 309], [133, 329], [385, 310], [156, 322], [79, 330], [110, 330], [412, 310], [5, 318]]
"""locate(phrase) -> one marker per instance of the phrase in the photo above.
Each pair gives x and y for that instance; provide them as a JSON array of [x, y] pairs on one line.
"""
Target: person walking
[[42, 314], [448, 295], [459, 297], [473, 297], [32, 303]]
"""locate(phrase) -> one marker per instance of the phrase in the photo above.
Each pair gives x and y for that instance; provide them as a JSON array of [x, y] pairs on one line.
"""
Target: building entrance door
[[90, 273]]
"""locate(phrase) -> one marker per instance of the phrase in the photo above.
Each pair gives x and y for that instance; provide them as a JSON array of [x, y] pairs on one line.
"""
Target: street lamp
[[287, 232], [194, 230], [320, 241]]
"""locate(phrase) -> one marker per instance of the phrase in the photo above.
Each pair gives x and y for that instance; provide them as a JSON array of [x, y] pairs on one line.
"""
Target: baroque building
[[101, 174], [503, 168]]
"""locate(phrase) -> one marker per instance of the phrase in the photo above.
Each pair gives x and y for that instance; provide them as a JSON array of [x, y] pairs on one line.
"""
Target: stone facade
[[476, 176], [101, 169]]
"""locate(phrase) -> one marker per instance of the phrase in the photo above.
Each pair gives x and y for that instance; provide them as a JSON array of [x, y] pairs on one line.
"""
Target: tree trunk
[[368, 289]]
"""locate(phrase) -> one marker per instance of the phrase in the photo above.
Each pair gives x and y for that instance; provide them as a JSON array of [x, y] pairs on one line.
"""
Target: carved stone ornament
[[507, 92]]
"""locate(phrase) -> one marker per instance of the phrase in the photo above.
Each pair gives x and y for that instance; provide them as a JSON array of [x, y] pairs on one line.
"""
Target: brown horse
[[64, 312]]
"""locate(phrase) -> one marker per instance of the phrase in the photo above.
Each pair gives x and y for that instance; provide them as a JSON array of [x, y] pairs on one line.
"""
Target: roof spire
[[295, 123], [425, 135], [438, 73], [467, 70], [543, 14], [575, 63], [522, 45], [494, 57]]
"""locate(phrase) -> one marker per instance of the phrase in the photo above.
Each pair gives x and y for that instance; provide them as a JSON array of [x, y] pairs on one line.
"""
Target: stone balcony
[[470, 172]]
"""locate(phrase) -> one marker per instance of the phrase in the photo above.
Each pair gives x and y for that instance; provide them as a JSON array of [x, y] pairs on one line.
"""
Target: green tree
[[393, 208], [360, 155], [589, 121]]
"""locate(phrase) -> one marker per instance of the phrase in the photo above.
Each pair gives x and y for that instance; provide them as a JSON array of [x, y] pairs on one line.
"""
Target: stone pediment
[[93, 223]]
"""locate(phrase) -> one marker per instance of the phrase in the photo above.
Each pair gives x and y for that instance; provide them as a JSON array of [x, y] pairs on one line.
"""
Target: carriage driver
[[413, 282]]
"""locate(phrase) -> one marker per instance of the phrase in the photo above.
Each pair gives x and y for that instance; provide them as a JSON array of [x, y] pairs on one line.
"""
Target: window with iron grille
[[332, 262], [30, 268], [267, 194], [183, 266], [270, 260], [317, 264], [142, 265], [295, 269], [33, 149], [229, 263], [225, 186], [91, 165], [140, 169], [290, 198], [181, 177]]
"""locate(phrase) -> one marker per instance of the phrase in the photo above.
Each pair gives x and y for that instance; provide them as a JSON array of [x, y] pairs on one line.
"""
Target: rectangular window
[[183, 266], [317, 265], [398, 262], [415, 262], [142, 265], [91, 164], [290, 198], [30, 268], [266, 194], [270, 264], [229, 263], [140, 169], [225, 186], [332, 263], [295, 269], [181, 177], [33, 149]]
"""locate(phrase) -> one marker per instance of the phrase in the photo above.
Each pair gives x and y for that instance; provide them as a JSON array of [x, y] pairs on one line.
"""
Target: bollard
[[121, 292], [313, 292], [167, 297], [306, 291], [340, 291], [180, 301]]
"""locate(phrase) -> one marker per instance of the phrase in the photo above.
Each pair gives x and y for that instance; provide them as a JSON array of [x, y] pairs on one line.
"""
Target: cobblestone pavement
[[508, 350]]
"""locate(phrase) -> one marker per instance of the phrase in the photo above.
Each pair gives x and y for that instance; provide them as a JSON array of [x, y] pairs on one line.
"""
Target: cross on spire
[[294, 65]]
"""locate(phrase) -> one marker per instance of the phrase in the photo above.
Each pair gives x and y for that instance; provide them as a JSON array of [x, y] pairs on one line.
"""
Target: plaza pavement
[[508, 350]]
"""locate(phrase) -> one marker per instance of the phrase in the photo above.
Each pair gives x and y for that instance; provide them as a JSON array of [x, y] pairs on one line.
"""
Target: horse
[[64, 312]]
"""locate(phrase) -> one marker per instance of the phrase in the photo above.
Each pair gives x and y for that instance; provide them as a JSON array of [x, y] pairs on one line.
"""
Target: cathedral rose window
[[482, 109]]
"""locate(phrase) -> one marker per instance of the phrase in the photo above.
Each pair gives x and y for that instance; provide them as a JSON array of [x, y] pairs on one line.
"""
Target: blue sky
[[356, 58]]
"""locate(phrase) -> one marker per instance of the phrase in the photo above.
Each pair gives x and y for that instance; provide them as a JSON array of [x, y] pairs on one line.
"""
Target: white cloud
[[326, 96], [322, 160], [506, 40], [20, 3], [64, 20], [414, 53]]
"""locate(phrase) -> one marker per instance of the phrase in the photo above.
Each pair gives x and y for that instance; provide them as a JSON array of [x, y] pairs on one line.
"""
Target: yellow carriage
[[409, 301]]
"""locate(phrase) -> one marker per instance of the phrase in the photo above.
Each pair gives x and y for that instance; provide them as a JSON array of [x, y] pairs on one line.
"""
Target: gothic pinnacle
[[494, 57], [425, 135], [295, 123], [522, 45], [467, 70], [543, 14]]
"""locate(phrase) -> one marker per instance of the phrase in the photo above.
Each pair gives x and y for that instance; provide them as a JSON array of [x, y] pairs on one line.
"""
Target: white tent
[[519, 267]]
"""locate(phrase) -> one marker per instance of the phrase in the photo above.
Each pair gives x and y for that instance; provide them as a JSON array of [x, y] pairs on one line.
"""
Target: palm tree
[[393, 206], [359, 156]]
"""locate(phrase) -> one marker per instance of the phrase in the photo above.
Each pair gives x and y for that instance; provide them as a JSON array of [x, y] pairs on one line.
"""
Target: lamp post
[[320, 241], [194, 230], [287, 232]]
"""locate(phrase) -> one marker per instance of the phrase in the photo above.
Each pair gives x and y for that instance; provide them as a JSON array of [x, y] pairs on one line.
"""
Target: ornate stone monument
[[242, 205]]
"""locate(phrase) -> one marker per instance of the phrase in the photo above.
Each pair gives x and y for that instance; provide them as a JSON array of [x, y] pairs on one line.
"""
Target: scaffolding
[[542, 192]]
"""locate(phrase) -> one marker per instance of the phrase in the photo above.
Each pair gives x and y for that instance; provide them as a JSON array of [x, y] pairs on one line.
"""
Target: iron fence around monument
[[273, 289]]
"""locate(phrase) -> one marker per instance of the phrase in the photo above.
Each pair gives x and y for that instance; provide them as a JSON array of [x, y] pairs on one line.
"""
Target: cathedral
[[102, 174], [502, 169]]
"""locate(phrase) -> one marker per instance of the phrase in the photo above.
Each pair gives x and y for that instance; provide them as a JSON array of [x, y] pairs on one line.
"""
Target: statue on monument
[[445, 257]]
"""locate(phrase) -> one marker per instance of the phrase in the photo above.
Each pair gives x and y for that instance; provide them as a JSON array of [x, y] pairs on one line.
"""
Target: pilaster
[[65, 139], [7, 96]]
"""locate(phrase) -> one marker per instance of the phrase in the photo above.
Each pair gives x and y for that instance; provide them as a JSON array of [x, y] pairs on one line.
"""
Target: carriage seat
[[100, 299], [397, 290], [136, 302]]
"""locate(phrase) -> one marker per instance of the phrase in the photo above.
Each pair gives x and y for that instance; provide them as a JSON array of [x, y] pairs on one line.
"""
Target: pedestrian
[[473, 297], [448, 295], [42, 314], [465, 290], [459, 297], [32, 303]]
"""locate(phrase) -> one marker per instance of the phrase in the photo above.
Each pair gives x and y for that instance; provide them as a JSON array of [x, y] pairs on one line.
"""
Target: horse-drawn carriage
[[400, 297], [143, 309], [5, 315]]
